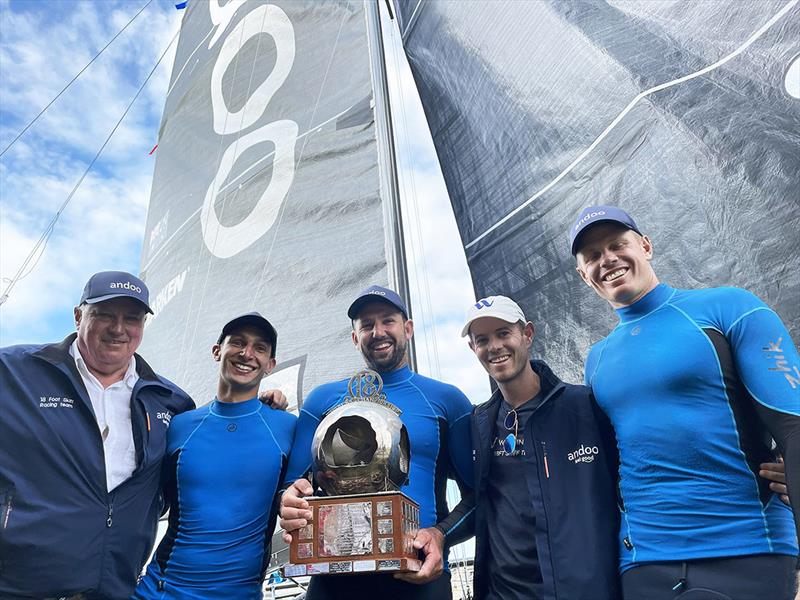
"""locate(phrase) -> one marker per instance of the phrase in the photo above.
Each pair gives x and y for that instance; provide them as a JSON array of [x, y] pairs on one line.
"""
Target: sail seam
[[761, 31], [412, 20], [285, 203]]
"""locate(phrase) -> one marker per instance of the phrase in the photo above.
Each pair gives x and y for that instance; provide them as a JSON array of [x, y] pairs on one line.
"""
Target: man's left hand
[[274, 398], [775, 473], [431, 541]]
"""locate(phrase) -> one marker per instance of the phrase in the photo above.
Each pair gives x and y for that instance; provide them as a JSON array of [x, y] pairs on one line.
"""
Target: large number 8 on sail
[[226, 241]]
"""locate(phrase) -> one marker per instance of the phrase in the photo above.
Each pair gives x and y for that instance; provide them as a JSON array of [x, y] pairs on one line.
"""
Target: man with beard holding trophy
[[436, 417]]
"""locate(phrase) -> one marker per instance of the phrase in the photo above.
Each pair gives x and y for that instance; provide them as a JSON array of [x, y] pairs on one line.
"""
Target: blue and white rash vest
[[224, 466], [695, 382]]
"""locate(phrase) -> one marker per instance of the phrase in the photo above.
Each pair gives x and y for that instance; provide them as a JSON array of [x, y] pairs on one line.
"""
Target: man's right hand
[[295, 512]]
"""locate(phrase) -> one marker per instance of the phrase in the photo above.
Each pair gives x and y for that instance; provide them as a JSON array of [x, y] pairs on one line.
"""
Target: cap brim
[[592, 224], [112, 296], [465, 329], [359, 303], [257, 322]]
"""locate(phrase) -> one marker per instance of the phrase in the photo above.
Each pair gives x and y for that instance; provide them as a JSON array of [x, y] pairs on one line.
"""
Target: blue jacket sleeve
[[460, 440], [459, 524]]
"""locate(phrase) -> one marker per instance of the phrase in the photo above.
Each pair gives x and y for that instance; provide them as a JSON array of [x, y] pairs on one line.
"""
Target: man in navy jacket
[[545, 472], [83, 428]]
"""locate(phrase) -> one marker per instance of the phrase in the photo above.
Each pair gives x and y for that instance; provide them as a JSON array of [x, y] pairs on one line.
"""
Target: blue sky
[[44, 44]]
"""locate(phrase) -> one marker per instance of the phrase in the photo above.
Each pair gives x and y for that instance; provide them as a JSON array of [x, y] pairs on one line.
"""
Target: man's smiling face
[[109, 332], [245, 357], [501, 347], [615, 262], [381, 334]]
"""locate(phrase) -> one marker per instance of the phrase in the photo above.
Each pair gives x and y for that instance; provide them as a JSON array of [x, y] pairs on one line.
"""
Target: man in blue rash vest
[[437, 418], [224, 465], [695, 382], [546, 516]]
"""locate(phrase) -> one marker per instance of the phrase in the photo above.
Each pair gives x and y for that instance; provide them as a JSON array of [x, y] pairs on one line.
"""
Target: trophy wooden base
[[362, 533]]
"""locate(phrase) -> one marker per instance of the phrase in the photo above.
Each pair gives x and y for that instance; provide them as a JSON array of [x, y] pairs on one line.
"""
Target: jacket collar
[[553, 383]]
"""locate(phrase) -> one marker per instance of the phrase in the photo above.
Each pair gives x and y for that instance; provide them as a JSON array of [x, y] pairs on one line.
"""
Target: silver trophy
[[361, 446], [361, 458]]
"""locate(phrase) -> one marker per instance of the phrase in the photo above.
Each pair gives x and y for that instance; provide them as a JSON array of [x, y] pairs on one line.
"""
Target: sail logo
[[589, 217], [166, 294], [483, 303], [584, 454], [117, 285], [225, 241]]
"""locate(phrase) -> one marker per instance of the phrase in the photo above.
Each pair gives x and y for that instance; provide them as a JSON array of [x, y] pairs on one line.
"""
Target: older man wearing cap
[[695, 383], [545, 472], [437, 418], [83, 426], [225, 463]]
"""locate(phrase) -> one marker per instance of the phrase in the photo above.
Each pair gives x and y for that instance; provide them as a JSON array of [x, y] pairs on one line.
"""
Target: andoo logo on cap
[[115, 285], [484, 303], [589, 217]]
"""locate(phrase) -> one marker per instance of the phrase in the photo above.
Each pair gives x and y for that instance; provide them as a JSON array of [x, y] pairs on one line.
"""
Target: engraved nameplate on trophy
[[361, 457]]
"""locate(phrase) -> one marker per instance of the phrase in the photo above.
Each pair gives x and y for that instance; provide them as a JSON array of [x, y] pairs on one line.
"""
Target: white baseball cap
[[499, 307]]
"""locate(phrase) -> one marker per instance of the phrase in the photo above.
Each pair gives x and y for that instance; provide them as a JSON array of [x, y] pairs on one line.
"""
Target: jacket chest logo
[[583, 454], [56, 402]]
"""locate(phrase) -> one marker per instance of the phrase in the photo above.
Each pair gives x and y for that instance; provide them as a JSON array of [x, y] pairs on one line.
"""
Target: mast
[[392, 214]]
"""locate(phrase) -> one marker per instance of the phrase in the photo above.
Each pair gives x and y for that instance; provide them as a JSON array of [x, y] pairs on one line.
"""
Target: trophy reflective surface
[[361, 457]]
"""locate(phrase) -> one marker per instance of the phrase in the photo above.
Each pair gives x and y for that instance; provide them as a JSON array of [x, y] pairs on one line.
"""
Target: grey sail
[[267, 189], [538, 109]]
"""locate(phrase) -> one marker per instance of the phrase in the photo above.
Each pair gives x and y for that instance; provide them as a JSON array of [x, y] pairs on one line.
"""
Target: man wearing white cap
[[545, 472]]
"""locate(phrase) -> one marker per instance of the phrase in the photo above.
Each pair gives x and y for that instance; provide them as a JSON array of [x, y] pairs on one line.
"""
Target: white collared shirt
[[112, 409]]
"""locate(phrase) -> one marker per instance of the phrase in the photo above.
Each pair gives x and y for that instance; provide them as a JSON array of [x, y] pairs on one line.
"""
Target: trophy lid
[[361, 446]]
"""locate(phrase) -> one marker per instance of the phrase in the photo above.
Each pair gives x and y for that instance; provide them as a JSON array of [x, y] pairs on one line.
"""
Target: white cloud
[[43, 46]]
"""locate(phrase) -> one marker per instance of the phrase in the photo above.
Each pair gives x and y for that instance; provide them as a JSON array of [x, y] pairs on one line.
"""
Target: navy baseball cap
[[599, 214], [252, 319], [373, 293], [106, 285]]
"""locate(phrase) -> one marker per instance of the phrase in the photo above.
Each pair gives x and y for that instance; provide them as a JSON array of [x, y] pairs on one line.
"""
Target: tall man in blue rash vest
[[546, 517], [83, 425], [695, 382], [224, 465], [437, 418]]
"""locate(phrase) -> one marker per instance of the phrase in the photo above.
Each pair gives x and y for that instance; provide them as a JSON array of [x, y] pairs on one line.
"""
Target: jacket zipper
[[546, 466], [6, 510], [110, 519]]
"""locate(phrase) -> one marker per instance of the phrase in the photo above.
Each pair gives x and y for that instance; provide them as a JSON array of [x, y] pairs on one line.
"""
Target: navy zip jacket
[[573, 492], [61, 532]]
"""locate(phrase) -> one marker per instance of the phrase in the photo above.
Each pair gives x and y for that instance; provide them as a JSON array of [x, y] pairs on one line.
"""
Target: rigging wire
[[45, 237], [459, 552], [64, 89]]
